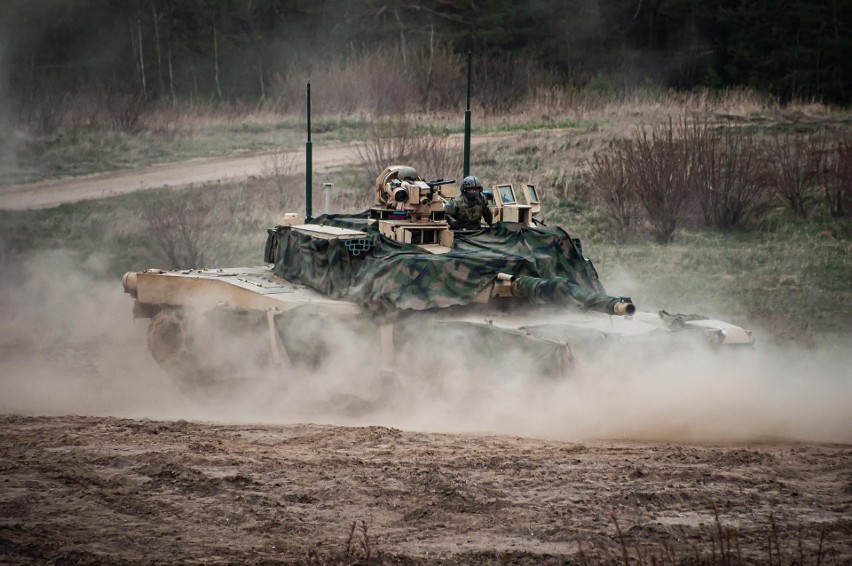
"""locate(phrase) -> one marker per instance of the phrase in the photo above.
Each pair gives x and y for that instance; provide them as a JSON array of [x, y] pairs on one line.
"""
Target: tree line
[[234, 49]]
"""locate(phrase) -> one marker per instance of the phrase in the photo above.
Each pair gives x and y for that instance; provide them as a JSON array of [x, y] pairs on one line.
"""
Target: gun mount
[[410, 210]]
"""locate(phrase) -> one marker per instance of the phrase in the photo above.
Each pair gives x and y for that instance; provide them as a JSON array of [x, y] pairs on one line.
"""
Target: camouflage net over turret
[[402, 276]]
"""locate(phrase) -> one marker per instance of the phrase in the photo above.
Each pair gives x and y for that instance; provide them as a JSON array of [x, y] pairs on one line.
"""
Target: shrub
[[795, 164], [729, 183], [385, 143], [397, 142], [838, 180], [658, 168], [611, 189], [175, 231], [385, 81], [677, 169], [504, 82], [601, 86]]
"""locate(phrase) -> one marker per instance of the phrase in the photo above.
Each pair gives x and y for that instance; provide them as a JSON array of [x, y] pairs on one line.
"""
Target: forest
[[228, 50]]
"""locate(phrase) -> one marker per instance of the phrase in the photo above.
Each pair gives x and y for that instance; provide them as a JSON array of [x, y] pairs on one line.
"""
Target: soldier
[[465, 211]]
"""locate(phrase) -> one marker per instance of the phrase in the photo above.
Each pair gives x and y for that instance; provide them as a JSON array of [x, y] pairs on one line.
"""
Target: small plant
[[658, 169], [357, 549], [795, 163], [397, 142], [611, 188], [723, 549], [729, 183], [279, 167], [175, 230], [838, 180]]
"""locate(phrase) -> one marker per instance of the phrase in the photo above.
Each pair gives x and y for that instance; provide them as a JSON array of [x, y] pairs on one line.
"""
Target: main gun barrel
[[565, 291]]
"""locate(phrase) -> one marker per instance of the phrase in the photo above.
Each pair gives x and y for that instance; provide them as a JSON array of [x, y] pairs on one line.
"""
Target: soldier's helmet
[[471, 184]]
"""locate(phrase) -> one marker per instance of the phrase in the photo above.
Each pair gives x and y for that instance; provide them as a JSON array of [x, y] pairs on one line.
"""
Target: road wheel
[[170, 343]]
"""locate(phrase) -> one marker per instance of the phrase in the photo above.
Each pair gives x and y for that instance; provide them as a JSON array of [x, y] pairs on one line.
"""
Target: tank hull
[[284, 324]]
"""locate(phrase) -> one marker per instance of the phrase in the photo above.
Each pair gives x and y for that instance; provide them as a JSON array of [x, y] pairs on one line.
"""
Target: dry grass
[[720, 546], [95, 131], [717, 545]]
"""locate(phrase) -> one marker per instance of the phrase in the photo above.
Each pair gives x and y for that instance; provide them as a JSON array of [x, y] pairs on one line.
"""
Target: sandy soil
[[87, 490]]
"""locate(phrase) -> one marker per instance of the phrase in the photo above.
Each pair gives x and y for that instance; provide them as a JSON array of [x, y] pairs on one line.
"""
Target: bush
[[397, 142], [838, 179], [658, 166], [384, 82], [612, 190], [677, 169], [795, 165], [175, 231], [729, 182]]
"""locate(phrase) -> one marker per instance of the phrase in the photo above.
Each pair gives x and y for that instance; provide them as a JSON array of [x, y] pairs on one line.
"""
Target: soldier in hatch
[[465, 211]]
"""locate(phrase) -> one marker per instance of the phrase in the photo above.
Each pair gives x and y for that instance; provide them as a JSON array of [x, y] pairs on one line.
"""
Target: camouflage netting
[[401, 276]]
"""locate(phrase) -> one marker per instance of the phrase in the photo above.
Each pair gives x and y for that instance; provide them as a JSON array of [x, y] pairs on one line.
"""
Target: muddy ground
[[89, 490]]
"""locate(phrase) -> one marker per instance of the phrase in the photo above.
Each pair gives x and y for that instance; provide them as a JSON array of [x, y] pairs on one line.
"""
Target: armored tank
[[398, 272], [402, 282]]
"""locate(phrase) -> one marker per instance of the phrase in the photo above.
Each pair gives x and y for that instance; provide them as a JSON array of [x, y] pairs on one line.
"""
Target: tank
[[397, 276], [395, 288]]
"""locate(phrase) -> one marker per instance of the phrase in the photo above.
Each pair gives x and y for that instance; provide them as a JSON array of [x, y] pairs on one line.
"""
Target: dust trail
[[68, 345]]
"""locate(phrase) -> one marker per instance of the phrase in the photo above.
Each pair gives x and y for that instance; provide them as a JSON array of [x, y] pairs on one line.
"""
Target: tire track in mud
[[91, 490]]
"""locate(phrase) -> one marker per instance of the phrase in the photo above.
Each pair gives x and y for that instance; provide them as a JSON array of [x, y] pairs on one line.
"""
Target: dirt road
[[91, 490], [46, 194]]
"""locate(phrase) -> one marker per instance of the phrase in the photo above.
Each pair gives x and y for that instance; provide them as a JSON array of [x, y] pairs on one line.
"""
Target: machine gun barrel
[[566, 291], [440, 182]]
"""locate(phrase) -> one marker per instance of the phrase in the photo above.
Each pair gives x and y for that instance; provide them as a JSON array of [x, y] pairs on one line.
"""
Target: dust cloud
[[69, 345]]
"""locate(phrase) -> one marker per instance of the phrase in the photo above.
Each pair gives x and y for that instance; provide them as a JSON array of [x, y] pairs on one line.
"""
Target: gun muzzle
[[624, 308]]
